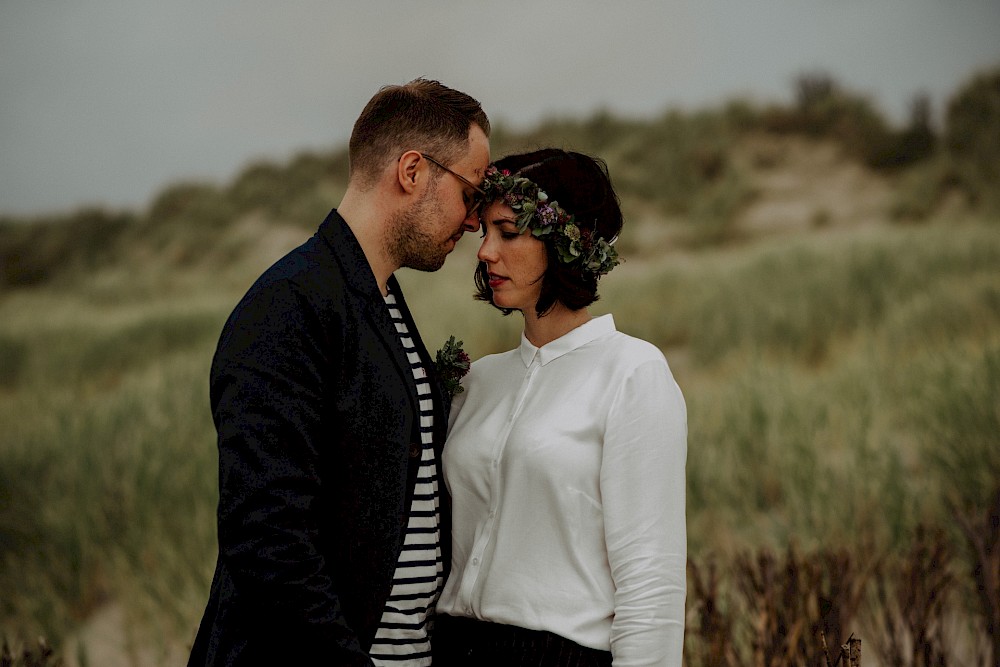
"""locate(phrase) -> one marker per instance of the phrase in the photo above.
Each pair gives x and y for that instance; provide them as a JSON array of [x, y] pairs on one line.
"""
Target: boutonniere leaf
[[451, 365]]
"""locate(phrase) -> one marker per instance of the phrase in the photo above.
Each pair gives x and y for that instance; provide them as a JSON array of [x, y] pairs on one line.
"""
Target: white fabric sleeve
[[643, 492]]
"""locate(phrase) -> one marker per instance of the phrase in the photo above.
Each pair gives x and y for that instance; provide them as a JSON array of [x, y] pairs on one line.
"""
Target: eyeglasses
[[478, 196]]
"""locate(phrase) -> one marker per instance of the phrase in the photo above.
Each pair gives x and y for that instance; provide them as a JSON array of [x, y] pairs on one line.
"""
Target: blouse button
[[414, 450]]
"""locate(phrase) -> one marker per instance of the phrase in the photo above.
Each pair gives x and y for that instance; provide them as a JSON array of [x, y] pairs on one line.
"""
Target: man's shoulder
[[309, 270], [321, 266], [306, 279]]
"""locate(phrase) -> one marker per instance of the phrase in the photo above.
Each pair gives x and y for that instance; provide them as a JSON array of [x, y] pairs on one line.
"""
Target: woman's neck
[[558, 322]]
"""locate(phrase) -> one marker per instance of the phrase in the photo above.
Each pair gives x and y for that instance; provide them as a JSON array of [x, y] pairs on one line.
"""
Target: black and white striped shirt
[[402, 637]]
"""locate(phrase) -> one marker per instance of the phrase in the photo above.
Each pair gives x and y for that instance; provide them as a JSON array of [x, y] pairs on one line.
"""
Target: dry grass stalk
[[714, 629], [40, 655], [794, 601], [777, 612], [982, 534], [911, 603], [826, 648], [851, 652]]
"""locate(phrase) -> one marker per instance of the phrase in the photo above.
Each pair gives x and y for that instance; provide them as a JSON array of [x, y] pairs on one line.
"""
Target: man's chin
[[427, 264]]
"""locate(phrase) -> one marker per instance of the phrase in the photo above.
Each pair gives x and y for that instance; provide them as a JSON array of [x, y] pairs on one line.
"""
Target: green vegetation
[[107, 487], [973, 138], [843, 380]]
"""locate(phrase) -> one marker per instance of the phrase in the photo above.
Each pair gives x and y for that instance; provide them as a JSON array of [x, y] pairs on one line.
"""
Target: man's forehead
[[478, 156]]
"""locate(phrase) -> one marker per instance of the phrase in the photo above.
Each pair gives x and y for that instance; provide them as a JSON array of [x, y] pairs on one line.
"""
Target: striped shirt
[[402, 638]]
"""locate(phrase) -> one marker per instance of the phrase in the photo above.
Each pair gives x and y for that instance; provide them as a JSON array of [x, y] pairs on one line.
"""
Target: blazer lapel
[[358, 274]]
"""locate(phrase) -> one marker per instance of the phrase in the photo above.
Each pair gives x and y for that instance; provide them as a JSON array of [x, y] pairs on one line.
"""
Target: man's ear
[[410, 170]]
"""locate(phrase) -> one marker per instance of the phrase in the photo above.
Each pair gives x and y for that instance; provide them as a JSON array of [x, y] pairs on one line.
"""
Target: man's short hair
[[421, 115]]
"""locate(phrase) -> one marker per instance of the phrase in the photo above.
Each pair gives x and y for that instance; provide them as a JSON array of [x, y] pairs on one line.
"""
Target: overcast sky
[[104, 102]]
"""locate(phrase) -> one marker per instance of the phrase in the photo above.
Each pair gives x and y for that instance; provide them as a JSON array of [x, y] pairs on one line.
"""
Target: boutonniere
[[451, 365]]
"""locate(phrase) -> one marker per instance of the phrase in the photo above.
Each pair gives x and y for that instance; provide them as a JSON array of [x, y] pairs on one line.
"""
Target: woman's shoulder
[[630, 360], [629, 350]]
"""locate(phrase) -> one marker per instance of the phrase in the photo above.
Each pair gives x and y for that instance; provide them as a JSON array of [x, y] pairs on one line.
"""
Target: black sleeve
[[268, 406]]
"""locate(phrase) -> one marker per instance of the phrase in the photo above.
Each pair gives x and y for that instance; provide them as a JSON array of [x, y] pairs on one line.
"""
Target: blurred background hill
[[708, 177]]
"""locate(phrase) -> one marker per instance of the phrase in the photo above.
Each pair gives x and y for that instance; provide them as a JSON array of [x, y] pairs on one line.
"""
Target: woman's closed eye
[[507, 228]]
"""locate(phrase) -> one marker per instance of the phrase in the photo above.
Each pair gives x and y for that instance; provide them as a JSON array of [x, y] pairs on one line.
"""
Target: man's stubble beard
[[410, 243]]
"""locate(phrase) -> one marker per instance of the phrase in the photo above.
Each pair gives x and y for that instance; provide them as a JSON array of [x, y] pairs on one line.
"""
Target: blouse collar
[[578, 337]]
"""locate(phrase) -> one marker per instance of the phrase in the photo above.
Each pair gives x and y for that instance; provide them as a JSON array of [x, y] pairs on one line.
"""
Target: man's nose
[[471, 223]]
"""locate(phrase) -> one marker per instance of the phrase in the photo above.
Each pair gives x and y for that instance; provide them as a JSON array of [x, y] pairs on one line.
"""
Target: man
[[333, 524]]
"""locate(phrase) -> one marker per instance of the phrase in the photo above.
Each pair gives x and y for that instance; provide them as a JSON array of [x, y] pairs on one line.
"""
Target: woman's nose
[[486, 252]]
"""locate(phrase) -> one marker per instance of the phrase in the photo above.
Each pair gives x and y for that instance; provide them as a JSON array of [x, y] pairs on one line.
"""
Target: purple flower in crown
[[546, 215]]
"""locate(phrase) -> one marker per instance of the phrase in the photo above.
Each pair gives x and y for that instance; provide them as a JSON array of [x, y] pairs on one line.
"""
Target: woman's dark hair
[[582, 187]]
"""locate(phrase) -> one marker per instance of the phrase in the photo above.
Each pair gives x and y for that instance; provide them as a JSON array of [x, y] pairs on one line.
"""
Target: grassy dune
[[842, 374], [839, 387]]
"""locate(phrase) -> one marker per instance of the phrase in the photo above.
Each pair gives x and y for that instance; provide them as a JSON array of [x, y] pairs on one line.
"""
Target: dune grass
[[107, 486], [842, 389]]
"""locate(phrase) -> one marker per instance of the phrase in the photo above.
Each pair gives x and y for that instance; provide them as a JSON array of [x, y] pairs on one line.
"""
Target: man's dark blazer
[[316, 410]]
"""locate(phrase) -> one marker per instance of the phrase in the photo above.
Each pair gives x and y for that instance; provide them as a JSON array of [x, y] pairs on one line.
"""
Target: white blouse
[[566, 468]]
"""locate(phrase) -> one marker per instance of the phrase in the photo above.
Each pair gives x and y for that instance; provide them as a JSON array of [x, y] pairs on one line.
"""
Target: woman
[[565, 457]]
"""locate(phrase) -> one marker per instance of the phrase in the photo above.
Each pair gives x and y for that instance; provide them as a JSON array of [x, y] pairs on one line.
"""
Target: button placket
[[471, 576]]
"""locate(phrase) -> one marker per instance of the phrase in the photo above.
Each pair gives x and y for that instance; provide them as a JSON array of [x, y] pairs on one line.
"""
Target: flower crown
[[547, 220]]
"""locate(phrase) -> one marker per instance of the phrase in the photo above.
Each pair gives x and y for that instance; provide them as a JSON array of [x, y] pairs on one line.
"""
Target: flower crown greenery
[[547, 220]]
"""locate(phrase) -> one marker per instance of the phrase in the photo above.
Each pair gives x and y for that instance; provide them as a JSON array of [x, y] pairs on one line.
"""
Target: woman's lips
[[496, 280]]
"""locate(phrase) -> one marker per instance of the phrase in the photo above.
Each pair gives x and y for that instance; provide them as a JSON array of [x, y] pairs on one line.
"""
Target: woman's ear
[[410, 170]]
